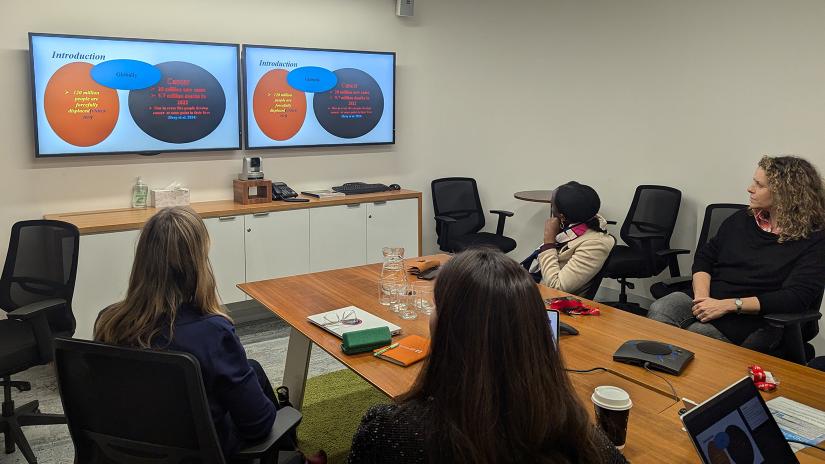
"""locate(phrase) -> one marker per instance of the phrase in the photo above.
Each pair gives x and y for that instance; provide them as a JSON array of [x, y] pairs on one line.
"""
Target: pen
[[387, 348]]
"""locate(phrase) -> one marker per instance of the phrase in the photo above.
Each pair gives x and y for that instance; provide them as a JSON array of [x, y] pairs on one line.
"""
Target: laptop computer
[[735, 426], [553, 318]]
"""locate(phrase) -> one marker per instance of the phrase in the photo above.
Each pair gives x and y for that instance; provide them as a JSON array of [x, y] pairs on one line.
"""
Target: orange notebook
[[410, 350]]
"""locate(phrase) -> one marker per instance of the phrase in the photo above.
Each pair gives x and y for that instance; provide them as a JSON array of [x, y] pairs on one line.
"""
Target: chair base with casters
[[14, 419], [27, 331], [623, 303]]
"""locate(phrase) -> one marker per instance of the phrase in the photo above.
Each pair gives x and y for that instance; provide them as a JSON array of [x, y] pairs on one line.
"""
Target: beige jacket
[[573, 266]]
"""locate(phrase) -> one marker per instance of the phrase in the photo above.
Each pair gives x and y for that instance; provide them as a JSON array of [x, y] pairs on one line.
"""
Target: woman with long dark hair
[[493, 389]]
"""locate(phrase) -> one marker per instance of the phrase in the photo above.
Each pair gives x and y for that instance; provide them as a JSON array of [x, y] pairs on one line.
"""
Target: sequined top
[[389, 434]]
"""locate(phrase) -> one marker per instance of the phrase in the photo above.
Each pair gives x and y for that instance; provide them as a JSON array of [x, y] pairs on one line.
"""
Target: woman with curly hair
[[767, 259]]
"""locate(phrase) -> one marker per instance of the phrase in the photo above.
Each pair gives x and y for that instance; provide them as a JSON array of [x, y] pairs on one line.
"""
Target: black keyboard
[[354, 188]]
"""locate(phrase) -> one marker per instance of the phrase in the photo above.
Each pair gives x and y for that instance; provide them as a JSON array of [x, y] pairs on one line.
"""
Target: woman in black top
[[493, 389], [767, 259]]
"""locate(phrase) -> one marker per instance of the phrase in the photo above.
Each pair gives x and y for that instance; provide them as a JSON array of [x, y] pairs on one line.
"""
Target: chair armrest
[[35, 314], [786, 319], [286, 419], [444, 234], [671, 255], [645, 235], [502, 212], [672, 251], [445, 219], [502, 216], [676, 281], [33, 310]]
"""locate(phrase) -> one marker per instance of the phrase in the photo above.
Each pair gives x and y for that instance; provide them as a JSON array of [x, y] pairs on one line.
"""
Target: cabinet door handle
[[356, 205], [227, 218], [260, 214], [249, 230], [380, 203]]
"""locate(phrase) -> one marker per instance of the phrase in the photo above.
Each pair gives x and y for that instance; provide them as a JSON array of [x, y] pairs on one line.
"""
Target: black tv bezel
[[37, 152], [281, 147]]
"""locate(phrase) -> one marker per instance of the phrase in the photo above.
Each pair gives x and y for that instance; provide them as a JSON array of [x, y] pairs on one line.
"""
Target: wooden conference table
[[654, 433]]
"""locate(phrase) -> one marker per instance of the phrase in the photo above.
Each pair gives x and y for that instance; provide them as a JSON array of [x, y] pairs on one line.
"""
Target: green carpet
[[333, 406]]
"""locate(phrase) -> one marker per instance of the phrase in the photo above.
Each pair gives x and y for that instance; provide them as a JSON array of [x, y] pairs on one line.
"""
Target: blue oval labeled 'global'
[[312, 79], [125, 74]]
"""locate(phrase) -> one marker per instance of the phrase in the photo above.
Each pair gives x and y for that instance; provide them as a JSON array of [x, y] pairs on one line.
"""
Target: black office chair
[[646, 231], [135, 406], [715, 215], [459, 217], [36, 290], [798, 329]]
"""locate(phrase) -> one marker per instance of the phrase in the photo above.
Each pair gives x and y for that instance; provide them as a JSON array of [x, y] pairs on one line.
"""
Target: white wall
[[521, 95]]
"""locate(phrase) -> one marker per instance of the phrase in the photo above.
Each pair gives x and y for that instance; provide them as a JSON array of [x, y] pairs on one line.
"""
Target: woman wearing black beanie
[[576, 243]]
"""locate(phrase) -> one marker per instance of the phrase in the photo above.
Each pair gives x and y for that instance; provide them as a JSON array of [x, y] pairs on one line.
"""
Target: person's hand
[[551, 229], [706, 309]]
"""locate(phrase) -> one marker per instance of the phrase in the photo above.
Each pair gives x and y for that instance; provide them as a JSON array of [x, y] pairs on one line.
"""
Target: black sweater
[[743, 261], [397, 435]]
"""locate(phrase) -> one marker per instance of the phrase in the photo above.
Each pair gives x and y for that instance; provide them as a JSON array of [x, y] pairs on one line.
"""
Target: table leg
[[297, 365]]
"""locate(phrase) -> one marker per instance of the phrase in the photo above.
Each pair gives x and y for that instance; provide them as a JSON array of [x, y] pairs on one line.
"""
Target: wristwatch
[[738, 303]]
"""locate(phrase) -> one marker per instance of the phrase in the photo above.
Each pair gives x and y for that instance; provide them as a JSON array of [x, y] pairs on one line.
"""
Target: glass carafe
[[393, 281]]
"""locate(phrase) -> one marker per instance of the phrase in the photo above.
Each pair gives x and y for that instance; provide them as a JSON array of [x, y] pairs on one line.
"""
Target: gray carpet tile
[[266, 341]]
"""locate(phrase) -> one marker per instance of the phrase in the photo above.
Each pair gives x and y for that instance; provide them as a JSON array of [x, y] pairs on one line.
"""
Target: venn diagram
[[174, 101], [347, 103]]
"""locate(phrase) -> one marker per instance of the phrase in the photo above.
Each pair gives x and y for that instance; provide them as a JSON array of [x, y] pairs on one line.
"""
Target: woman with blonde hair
[[172, 304], [767, 259]]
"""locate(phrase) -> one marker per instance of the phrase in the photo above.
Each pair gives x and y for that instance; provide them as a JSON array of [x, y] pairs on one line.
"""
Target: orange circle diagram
[[79, 110], [279, 109]]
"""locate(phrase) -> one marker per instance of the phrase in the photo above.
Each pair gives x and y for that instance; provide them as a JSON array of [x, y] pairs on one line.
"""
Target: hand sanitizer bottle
[[140, 194]]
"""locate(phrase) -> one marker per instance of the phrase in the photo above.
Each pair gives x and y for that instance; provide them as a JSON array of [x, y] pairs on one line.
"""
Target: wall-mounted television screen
[[106, 95], [298, 97]]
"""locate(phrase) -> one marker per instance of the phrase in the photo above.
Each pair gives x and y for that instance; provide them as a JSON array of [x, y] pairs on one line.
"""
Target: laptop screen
[[553, 317], [736, 426]]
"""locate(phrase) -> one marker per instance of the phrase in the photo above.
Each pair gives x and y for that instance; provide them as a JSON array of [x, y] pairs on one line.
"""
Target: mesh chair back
[[131, 406], [654, 210], [715, 215], [41, 264], [457, 197]]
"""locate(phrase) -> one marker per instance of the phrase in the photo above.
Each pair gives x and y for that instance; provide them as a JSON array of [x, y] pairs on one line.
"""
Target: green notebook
[[361, 341]]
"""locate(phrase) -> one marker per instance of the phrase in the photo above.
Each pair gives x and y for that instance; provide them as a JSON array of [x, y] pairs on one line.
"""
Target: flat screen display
[[103, 95], [298, 97]]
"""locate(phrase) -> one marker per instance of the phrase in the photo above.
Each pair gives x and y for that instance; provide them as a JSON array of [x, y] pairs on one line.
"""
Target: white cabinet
[[277, 244], [392, 223], [337, 237], [227, 255], [103, 268], [253, 247]]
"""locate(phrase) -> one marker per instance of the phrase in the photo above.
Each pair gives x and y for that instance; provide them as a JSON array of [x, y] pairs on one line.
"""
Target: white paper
[[798, 421]]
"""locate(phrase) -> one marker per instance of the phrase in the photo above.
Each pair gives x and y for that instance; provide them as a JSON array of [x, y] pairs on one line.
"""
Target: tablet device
[[735, 426], [553, 318]]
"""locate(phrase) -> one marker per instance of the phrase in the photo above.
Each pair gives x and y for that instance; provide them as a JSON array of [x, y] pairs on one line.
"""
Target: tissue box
[[162, 198]]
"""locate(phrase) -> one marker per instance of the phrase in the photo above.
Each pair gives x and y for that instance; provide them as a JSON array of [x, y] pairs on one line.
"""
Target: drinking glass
[[422, 295]]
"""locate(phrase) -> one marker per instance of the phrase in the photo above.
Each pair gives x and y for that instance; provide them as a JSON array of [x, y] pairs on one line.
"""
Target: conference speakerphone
[[660, 356]]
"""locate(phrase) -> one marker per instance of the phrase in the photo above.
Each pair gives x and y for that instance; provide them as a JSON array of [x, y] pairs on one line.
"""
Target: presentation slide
[[97, 95], [303, 97]]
